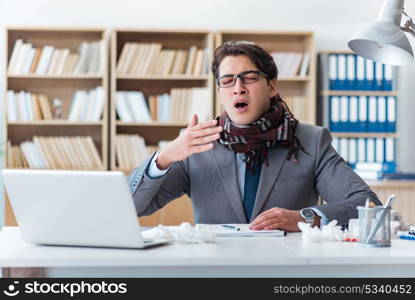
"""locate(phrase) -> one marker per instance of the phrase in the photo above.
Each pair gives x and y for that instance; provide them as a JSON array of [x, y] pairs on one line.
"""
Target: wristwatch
[[308, 215]]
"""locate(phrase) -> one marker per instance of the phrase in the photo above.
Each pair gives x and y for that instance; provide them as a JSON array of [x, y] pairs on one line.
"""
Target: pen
[[232, 227], [407, 237]]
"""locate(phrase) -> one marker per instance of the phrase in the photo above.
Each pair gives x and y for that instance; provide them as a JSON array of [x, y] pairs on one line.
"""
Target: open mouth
[[240, 105]]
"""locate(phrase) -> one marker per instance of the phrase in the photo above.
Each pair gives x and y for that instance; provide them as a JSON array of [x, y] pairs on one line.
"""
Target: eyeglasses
[[246, 77]]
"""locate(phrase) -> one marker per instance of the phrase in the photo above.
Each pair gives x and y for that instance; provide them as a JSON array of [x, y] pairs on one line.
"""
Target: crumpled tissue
[[185, 233], [329, 232]]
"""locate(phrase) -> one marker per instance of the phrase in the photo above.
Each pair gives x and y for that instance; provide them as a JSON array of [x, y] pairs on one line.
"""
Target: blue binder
[[333, 71], [342, 72], [351, 72], [361, 149], [353, 114], [388, 76], [372, 114], [381, 119], [391, 114], [344, 114], [334, 113], [369, 75], [363, 114], [360, 73], [379, 74]]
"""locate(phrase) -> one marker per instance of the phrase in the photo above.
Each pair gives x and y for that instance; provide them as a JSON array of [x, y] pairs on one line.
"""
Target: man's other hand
[[278, 218]]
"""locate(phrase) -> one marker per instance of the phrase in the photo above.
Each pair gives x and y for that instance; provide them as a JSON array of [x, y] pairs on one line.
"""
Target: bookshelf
[[23, 73], [131, 74], [355, 104], [367, 82], [298, 91]]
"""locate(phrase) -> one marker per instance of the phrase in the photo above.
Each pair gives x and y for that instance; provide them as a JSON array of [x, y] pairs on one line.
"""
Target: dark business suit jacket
[[210, 179]]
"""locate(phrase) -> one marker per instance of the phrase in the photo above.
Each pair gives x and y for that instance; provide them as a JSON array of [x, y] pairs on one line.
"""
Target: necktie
[[250, 189]]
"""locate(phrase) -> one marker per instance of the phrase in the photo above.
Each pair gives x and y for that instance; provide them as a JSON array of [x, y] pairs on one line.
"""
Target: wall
[[333, 21]]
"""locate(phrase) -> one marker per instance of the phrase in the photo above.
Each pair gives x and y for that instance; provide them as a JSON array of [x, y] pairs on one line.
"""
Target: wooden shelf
[[54, 122], [51, 76], [395, 184], [336, 52], [359, 93], [68, 169], [295, 78], [364, 134], [152, 124], [163, 77], [60, 86], [154, 84]]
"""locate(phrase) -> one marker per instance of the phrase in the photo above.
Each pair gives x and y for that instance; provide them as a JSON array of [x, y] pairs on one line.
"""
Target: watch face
[[308, 213]]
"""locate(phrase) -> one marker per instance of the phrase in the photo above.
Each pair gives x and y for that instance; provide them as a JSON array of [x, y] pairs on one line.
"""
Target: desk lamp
[[384, 40]]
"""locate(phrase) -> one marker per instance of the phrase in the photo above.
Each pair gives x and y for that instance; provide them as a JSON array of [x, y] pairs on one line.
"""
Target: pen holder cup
[[369, 218]]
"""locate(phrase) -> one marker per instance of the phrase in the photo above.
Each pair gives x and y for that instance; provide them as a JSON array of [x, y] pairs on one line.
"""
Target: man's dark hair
[[259, 57]]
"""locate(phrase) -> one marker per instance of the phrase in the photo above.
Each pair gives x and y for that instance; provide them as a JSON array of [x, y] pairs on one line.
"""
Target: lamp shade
[[383, 42]]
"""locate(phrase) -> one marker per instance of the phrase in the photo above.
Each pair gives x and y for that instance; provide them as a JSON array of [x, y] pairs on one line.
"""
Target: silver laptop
[[75, 208]]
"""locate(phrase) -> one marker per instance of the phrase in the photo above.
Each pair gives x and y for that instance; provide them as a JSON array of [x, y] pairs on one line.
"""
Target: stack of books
[[151, 59], [25, 106], [58, 152], [131, 150], [49, 60], [87, 105], [179, 106], [292, 63]]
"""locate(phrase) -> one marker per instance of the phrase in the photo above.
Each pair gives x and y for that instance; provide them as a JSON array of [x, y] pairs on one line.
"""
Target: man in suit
[[255, 163]]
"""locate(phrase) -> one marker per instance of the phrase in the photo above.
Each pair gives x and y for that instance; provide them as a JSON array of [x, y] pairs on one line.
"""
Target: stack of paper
[[244, 230]]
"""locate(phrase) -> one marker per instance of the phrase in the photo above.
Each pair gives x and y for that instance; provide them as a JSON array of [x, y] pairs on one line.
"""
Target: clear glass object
[[57, 109]]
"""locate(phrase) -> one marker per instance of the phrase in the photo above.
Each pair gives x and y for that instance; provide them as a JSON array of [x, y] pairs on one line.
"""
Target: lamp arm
[[409, 25]]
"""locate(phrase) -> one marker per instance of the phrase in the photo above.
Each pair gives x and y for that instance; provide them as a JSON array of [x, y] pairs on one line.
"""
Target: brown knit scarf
[[277, 125]]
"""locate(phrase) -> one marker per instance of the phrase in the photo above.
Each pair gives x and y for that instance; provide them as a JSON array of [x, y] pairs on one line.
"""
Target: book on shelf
[[49, 60], [87, 105], [191, 60], [24, 106], [78, 152], [152, 59], [178, 106], [15, 157], [132, 107], [291, 63], [131, 150]]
